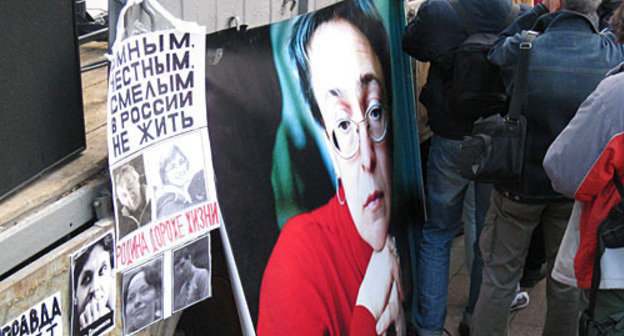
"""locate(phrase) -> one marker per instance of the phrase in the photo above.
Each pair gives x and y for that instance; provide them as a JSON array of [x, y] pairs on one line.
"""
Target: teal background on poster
[[299, 132]]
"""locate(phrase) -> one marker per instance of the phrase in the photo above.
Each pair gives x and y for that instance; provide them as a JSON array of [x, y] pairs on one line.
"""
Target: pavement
[[525, 322]]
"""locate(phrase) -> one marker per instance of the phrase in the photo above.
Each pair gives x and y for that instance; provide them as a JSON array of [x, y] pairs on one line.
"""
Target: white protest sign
[[155, 91], [159, 149], [43, 319]]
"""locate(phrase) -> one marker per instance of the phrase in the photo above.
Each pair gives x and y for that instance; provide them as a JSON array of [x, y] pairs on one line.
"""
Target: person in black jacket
[[431, 37]]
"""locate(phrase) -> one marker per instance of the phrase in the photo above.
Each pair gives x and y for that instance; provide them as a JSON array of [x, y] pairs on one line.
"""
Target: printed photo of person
[[335, 270], [93, 282], [131, 197], [142, 296], [180, 181], [191, 273], [317, 168]]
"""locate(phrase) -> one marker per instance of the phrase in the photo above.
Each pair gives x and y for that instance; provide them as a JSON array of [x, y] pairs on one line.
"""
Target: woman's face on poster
[[95, 281], [176, 169], [141, 302], [348, 84]]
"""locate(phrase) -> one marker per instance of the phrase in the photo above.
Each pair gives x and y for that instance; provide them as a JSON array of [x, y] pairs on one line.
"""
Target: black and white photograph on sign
[[191, 273], [142, 296], [131, 196], [176, 174], [93, 288]]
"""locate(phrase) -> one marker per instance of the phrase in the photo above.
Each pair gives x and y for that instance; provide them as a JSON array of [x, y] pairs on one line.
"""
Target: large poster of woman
[[315, 149]]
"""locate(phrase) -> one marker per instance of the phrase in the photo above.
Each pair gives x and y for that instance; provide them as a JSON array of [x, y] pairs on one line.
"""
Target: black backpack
[[476, 88]]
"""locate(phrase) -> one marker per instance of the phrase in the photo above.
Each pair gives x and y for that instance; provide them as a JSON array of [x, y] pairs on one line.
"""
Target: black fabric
[[495, 150], [221, 307], [463, 15], [432, 36], [243, 101], [476, 88]]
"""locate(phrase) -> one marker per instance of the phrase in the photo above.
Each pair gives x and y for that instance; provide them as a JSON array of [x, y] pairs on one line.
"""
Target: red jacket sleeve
[[362, 322]]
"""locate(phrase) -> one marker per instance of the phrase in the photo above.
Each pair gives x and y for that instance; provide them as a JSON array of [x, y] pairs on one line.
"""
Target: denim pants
[[446, 190], [505, 243]]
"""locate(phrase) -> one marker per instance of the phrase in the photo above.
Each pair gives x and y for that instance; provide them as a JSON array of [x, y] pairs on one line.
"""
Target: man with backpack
[[566, 61], [454, 36]]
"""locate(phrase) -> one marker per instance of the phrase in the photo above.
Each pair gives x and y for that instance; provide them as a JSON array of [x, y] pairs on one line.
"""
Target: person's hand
[[392, 313], [382, 275], [93, 311]]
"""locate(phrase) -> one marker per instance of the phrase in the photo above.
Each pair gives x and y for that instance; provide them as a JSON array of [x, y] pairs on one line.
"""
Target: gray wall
[[216, 14]]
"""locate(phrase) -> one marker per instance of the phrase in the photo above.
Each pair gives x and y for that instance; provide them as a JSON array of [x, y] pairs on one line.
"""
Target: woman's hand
[[93, 311], [381, 291], [392, 313]]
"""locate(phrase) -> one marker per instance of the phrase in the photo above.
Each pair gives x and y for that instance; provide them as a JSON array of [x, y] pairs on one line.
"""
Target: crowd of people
[[572, 156]]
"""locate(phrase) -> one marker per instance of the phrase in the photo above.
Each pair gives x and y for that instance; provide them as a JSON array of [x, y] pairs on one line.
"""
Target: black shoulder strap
[[520, 82], [513, 14], [463, 15], [595, 280]]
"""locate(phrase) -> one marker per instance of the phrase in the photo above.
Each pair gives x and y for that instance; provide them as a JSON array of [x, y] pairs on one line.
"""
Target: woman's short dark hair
[[360, 13]]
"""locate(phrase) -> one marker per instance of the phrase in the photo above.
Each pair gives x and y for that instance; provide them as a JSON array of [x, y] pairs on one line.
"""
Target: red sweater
[[312, 279]]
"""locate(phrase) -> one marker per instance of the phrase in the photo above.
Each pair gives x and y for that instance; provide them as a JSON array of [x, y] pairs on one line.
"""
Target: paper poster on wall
[[42, 319], [142, 296], [93, 288], [165, 285], [314, 141], [191, 274], [159, 149]]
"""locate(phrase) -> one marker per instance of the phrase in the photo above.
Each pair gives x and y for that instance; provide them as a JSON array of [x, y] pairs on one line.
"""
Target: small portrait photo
[[191, 273], [142, 300], [132, 201], [176, 173], [93, 288]]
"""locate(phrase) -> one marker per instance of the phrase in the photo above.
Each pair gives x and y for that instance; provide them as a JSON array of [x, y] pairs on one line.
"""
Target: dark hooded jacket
[[432, 36]]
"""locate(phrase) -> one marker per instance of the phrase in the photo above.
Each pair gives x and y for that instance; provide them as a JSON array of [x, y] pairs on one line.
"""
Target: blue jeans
[[446, 190]]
